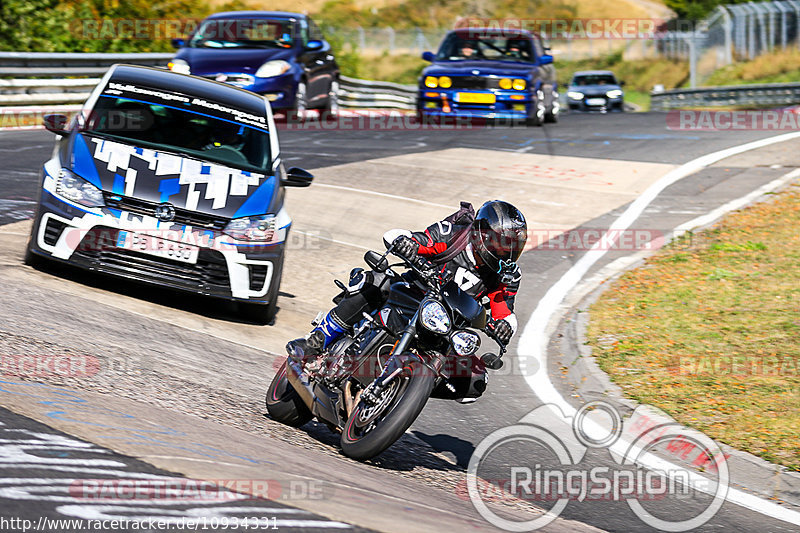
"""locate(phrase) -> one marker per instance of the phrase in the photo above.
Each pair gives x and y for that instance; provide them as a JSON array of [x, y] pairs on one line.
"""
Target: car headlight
[[465, 342], [270, 69], [445, 82], [76, 189], [519, 85], [505, 83], [434, 317], [574, 95], [614, 93], [431, 82], [259, 228], [180, 66]]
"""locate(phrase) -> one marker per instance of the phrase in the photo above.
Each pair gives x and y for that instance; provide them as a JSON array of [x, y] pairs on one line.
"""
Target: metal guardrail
[[58, 89], [768, 94]]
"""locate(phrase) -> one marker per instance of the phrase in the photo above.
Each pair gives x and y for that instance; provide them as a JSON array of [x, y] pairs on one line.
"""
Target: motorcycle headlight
[[465, 342], [270, 69], [180, 66], [614, 93], [434, 317], [258, 228], [76, 189]]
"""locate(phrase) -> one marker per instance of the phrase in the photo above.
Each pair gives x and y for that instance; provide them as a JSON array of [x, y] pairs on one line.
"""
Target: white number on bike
[[466, 279]]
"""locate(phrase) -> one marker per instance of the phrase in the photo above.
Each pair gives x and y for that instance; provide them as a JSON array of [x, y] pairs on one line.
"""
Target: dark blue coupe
[[282, 56], [490, 74]]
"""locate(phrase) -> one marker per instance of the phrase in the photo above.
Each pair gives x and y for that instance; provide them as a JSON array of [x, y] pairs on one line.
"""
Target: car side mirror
[[428, 56], [55, 123], [297, 177], [622, 84], [314, 45], [545, 59], [178, 43], [376, 261]]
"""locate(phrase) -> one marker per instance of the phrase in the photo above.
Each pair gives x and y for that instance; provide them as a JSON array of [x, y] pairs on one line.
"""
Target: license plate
[[148, 244], [475, 98], [595, 101]]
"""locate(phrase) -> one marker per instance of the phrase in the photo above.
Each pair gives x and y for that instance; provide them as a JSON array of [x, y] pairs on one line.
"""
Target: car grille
[[473, 82], [99, 250], [243, 79], [182, 216]]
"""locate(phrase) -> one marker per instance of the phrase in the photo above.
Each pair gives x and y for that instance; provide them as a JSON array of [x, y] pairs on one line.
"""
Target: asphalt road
[[58, 482], [453, 429]]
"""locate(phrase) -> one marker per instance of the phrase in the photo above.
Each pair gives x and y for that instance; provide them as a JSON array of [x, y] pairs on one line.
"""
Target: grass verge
[[708, 328]]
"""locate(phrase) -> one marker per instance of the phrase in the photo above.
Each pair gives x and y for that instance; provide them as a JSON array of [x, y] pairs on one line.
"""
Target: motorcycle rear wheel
[[284, 404], [372, 429]]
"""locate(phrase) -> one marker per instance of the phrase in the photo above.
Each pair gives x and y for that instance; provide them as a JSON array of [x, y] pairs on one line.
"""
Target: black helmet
[[499, 233]]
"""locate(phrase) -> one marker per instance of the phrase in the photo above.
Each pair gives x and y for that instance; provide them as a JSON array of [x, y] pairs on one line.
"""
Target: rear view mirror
[[376, 261], [178, 43], [297, 177], [492, 361], [428, 56], [55, 123], [545, 59], [622, 84]]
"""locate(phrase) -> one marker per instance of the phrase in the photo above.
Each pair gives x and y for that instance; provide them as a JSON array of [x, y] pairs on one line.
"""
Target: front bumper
[[279, 90], [447, 103], [92, 239], [595, 103]]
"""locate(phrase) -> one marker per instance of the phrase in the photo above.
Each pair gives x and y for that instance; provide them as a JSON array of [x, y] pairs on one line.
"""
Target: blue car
[[490, 74], [595, 90], [170, 180], [282, 56]]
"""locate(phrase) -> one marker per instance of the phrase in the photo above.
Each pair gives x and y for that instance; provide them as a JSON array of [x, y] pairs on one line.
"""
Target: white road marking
[[344, 243], [534, 337], [382, 194]]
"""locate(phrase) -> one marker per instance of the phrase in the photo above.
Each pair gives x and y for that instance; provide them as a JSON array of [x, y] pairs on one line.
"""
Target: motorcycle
[[372, 384]]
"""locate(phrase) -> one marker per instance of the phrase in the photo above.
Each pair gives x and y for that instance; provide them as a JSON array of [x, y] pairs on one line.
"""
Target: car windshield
[[594, 79], [243, 33], [181, 131], [459, 47]]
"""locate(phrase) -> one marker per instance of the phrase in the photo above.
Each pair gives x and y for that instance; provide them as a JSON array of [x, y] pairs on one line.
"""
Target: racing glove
[[509, 272], [406, 247], [502, 330]]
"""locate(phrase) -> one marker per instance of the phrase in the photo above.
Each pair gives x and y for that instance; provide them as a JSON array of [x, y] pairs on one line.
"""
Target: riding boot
[[326, 332]]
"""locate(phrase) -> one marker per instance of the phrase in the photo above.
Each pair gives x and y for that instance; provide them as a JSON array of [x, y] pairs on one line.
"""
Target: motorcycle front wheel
[[373, 428], [283, 402]]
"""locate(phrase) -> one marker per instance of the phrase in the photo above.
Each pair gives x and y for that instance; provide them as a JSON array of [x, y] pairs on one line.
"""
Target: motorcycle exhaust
[[299, 381]]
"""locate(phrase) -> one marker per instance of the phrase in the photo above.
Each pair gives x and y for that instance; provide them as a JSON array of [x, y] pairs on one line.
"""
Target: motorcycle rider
[[478, 250]]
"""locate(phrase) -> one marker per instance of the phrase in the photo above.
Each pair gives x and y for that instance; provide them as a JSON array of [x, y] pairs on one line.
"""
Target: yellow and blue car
[[490, 74]]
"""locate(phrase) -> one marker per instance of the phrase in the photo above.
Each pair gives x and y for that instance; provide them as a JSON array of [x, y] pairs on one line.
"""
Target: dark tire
[[551, 115], [536, 118], [301, 100], [332, 107], [408, 400], [283, 403]]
